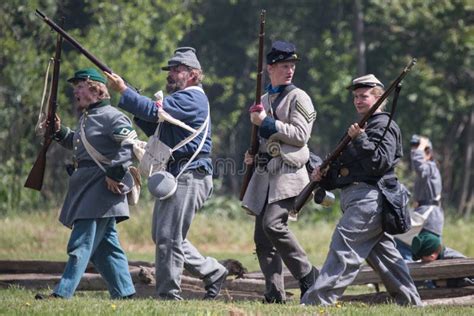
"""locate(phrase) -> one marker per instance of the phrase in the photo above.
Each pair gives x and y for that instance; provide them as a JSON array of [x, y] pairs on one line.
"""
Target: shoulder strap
[[98, 158], [193, 135], [392, 113], [201, 144], [280, 97]]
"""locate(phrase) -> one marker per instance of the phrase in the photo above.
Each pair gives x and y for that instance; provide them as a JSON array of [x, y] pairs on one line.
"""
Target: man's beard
[[173, 86]]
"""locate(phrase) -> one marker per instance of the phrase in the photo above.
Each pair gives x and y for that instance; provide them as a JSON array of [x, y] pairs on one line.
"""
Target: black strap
[[280, 97], [392, 113], [427, 202]]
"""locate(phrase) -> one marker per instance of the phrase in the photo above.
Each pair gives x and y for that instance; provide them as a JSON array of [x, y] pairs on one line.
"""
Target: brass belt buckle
[[344, 172]]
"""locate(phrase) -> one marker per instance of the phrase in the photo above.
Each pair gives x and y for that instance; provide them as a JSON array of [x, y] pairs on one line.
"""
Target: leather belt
[[85, 164], [426, 203]]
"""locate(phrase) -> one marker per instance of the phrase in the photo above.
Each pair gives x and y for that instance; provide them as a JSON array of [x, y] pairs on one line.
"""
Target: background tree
[[337, 40]]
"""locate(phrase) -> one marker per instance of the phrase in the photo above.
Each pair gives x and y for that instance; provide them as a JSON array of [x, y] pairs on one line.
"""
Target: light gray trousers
[[172, 219], [276, 243], [359, 236]]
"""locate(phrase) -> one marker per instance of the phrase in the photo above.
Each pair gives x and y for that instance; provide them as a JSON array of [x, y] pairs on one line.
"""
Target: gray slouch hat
[[183, 56]]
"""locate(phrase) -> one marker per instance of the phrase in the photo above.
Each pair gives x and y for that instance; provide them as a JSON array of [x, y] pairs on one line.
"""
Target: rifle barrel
[[258, 94], [102, 66]]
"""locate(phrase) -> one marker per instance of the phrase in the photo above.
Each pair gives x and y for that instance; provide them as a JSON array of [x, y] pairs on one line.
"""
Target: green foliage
[[145, 32], [135, 39]]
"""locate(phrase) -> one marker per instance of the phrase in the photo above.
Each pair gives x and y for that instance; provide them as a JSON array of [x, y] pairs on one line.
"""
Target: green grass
[[222, 233], [16, 301]]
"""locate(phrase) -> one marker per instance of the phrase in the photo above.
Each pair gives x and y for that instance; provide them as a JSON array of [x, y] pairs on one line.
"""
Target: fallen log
[[140, 275], [464, 300], [36, 266], [252, 285], [190, 292], [436, 270], [55, 267]]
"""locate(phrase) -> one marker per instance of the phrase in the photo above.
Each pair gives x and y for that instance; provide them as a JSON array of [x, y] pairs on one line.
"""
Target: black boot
[[273, 296], [40, 296], [308, 280], [212, 290]]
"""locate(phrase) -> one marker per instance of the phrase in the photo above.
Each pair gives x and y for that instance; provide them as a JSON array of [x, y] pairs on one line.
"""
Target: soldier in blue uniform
[[359, 235], [95, 200], [173, 216]]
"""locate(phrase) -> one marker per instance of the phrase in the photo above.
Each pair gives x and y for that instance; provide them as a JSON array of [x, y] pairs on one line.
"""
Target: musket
[[305, 194], [102, 66], [36, 175], [254, 143]]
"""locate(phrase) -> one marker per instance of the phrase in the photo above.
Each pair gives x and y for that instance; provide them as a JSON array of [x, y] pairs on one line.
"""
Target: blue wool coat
[[189, 106]]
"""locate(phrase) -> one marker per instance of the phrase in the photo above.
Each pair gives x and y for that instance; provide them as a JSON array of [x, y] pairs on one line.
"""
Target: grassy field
[[20, 302], [222, 235]]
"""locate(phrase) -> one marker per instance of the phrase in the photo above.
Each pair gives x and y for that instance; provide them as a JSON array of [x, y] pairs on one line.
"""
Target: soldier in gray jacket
[[428, 215], [370, 157], [285, 118], [95, 200]]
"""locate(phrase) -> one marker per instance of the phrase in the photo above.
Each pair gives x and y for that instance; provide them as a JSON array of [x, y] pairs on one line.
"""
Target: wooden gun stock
[[258, 94], [36, 175], [305, 194]]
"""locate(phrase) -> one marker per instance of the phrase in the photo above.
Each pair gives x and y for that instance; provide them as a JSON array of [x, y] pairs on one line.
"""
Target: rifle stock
[[254, 144], [305, 194], [36, 175], [102, 66]]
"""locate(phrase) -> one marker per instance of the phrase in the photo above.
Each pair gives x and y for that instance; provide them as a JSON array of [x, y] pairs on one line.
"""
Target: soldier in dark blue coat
[[96, 200], [172, 217], [359, 236]]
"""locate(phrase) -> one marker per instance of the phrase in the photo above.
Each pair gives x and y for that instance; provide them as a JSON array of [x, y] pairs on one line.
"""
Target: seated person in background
[[427, 247], [428, 214]]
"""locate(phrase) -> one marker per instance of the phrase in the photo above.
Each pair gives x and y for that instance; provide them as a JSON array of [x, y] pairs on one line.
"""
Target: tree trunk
[[466, 200], [359, 38]]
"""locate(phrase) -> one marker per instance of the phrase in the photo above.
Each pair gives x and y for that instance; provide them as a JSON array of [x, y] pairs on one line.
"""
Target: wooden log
[[467, 300], [249, 285], [436, 270], [429, 296], [194, 289], [89, 281], [51, 267], [35, 266], [136, 263], [190, 292]]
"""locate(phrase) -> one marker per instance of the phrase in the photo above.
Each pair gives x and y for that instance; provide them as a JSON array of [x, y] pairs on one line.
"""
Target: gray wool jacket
[[87, 196]]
